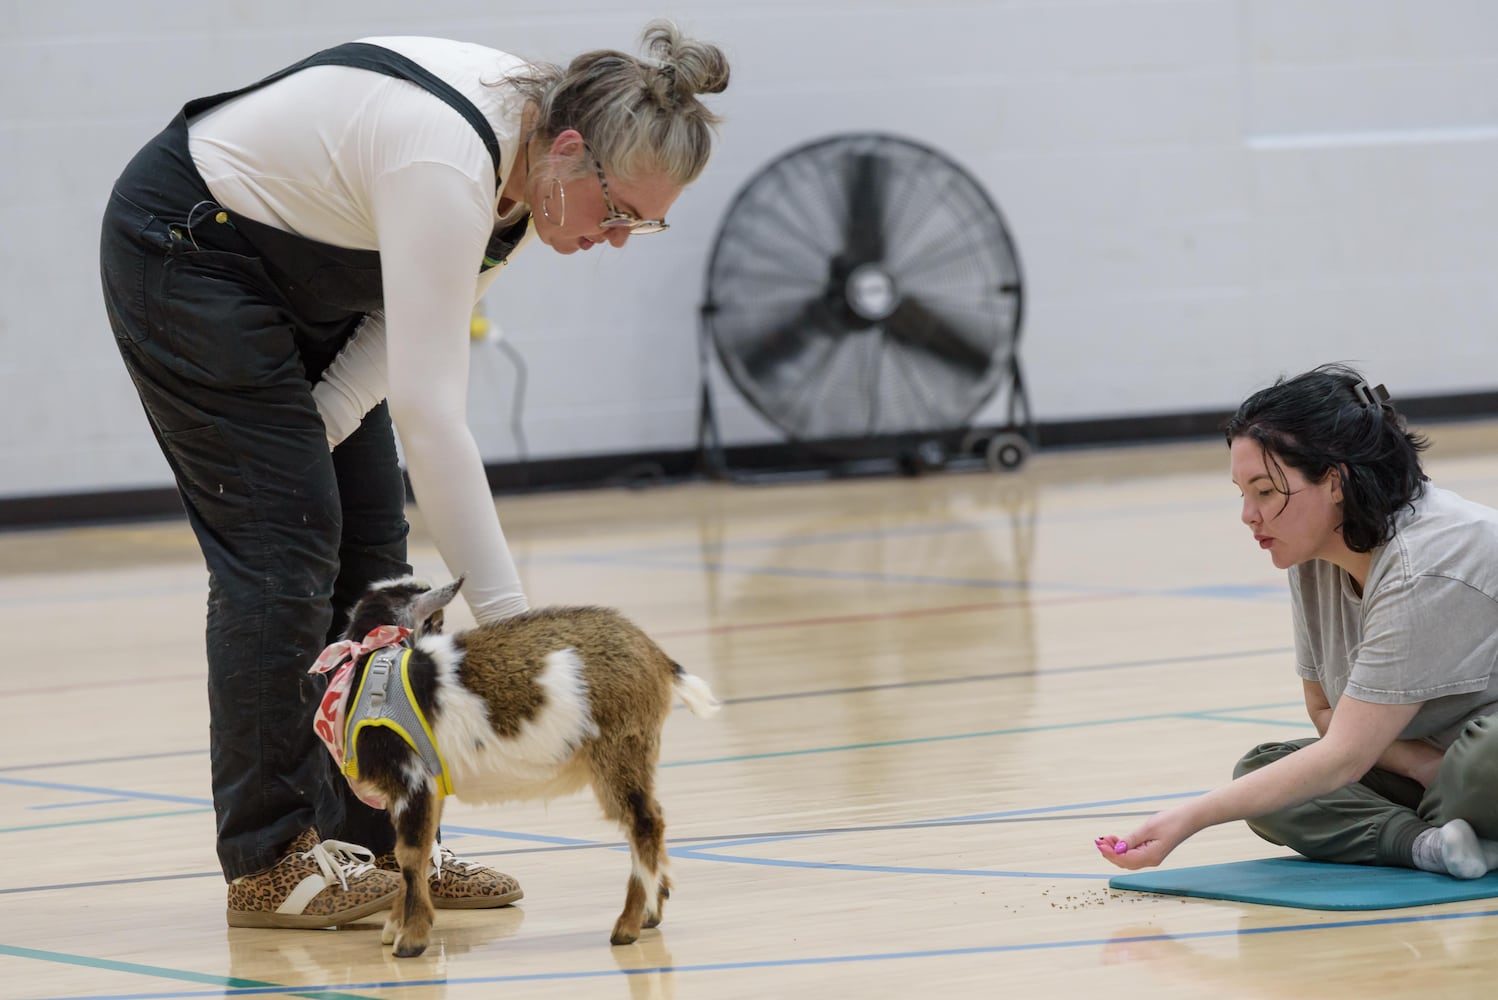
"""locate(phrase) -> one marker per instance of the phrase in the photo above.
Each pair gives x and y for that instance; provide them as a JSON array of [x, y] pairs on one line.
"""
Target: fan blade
[[865, 178], [784, 343], [916, 326]]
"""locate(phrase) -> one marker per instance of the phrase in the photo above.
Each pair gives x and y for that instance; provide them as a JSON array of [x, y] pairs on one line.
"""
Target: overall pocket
[[219, 317]]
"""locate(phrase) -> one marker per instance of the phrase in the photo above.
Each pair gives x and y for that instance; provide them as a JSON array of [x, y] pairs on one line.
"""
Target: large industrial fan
[[864, 295]]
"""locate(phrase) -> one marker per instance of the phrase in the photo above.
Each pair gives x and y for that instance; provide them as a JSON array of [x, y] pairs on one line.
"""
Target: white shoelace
[[442, 855], [341, 860]]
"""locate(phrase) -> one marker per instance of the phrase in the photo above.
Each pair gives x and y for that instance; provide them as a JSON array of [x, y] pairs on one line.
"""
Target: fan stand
[[998, 449]]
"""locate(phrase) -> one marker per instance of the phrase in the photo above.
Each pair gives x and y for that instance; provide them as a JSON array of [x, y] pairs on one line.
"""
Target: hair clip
[[1370, 395]]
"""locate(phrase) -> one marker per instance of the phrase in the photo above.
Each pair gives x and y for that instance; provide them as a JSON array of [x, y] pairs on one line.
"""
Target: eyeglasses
[[623, 220]]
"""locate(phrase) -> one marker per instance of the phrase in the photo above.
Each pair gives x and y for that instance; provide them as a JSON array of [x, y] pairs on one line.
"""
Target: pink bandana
[[341, 657]]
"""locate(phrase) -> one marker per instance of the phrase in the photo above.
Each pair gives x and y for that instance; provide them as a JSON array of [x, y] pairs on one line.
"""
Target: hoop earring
[[561, 194]]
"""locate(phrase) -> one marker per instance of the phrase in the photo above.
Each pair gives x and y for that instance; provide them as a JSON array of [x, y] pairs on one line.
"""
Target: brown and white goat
[[535, 706]]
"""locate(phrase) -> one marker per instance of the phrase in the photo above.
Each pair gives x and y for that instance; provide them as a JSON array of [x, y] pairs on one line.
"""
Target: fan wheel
[[1006, 452]]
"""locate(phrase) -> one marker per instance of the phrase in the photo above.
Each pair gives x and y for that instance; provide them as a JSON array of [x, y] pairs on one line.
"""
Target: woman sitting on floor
[[1394, 596]]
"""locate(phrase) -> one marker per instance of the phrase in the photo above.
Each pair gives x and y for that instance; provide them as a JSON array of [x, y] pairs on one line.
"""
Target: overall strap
[[376, 59]]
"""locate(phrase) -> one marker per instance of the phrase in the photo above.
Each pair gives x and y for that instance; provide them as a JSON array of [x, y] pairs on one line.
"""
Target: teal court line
[[824, 960], [1223, 717], [178, 975], [771, 755], [105, 819], [45, 766]]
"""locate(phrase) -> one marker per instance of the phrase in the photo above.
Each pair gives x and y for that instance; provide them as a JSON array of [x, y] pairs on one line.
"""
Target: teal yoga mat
[[1310, 885]]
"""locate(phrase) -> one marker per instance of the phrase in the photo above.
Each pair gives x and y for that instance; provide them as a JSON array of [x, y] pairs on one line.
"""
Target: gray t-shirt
[[1426, 626]]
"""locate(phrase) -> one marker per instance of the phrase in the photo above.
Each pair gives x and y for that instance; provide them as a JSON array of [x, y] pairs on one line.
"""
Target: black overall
[[225, 324]]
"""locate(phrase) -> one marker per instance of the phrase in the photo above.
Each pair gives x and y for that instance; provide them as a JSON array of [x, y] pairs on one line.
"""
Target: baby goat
[[535, 706]]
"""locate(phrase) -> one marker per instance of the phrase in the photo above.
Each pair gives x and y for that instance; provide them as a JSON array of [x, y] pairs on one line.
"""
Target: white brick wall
[[1205, 194]]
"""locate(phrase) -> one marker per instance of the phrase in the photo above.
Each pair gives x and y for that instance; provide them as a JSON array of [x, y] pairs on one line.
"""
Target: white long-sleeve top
[[357, 159]]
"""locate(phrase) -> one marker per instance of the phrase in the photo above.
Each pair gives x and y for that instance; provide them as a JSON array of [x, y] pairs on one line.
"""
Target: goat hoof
[[409, 949], [623, 937], [389, 932], [652, 920]]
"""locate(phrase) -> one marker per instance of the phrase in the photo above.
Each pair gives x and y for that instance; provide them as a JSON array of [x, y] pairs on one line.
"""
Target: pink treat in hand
[[1121, 847]]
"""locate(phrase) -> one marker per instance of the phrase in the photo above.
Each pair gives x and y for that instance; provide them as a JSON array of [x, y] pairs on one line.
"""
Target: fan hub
[[871, 292]]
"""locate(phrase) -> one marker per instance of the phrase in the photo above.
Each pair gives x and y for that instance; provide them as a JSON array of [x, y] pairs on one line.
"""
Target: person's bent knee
[[1477, 750], [1468, 777], [1268, 753]]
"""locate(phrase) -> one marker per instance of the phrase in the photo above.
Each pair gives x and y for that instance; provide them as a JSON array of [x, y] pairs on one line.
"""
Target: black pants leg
[[372, 547], [218, 362]]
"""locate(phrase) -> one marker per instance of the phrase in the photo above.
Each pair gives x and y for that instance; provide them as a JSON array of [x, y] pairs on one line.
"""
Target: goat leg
[[641, 818], [409, 926], [654, 919]]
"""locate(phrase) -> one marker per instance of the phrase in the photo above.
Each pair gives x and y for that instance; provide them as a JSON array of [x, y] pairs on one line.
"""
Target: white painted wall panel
[[1205, 194]]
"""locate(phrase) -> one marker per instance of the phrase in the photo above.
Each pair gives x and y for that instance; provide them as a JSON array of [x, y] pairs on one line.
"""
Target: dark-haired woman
[[1394, 596], [290, 271]]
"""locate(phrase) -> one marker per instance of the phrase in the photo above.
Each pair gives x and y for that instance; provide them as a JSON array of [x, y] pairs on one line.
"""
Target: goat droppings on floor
[[1090, 897]]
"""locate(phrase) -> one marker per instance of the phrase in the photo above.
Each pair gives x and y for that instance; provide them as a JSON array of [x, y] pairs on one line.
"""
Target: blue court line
[[476, 831], [708, 851], [569, 842], [986, 524], [943, 821], [185, 800], [103, 760], [1074, 807], [948, 737], [695, 854], [705, 843], [1227, 591], [1007, 675], [813, 961], [180, 975], [85, 802], [100, 883], [809, 573], [771, 755], [783, 696], [708, 844]]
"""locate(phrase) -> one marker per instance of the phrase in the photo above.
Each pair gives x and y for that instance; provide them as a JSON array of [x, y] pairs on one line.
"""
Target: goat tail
[[693, 690]]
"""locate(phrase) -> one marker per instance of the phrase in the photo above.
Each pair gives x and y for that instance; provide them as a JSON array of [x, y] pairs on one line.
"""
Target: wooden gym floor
[[939, 691]]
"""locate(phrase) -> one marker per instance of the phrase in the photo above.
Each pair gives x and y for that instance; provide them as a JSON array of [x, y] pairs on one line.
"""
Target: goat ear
[[433, 601]]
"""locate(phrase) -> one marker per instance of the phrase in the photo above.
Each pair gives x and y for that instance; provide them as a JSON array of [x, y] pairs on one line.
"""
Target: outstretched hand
[[1147, 846]]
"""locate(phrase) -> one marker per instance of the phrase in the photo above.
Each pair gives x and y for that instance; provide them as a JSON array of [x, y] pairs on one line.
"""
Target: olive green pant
[[1375, 821]]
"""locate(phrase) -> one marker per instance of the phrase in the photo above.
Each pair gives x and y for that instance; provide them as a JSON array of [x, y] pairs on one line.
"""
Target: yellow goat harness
[[384, 698]]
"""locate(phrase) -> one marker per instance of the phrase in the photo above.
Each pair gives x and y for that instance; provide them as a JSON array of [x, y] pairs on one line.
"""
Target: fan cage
[[765, 236]]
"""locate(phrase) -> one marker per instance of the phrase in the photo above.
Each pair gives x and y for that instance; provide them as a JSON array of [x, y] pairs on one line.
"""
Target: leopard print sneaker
[[319, 883], [462, 885]]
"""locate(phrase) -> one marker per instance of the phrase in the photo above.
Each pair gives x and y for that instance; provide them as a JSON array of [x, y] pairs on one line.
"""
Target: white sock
[[1455, 850]]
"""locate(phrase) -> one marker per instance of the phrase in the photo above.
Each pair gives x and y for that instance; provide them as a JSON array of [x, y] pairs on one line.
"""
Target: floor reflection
[[647, 966], [353, 954], [1251, 960]]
